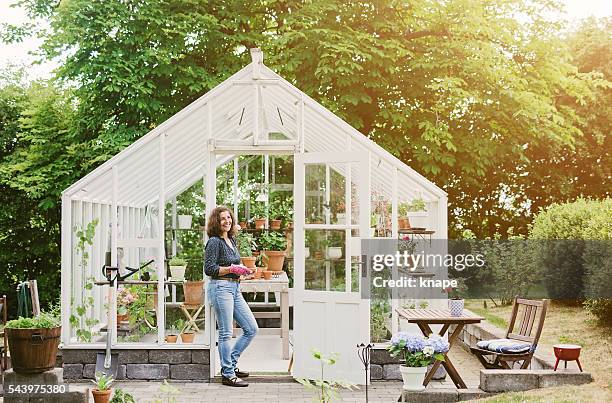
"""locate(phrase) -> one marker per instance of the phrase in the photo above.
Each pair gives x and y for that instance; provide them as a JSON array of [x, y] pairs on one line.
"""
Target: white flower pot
[[372, 232], [184, 221], [455, 306], [341, 218], [419, 219], [413, 377], [306, 252], [334, 252], [177, 272]]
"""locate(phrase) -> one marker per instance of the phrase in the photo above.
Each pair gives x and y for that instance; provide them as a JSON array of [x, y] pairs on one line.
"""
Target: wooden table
[[278, 284], [425, 317]]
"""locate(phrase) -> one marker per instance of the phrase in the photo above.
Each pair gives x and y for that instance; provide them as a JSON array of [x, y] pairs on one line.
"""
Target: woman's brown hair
[[213, 228]]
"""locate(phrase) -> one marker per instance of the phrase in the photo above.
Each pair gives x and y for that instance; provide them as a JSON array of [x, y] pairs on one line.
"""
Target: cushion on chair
[[505, 346]]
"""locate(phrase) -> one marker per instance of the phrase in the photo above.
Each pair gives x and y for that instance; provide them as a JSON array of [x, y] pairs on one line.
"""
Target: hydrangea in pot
[[418, 352]]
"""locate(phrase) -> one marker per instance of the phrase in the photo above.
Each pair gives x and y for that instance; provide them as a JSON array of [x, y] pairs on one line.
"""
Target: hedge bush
[[578, 269]]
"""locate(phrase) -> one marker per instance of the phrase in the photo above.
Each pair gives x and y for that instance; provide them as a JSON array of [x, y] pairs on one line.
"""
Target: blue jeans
[[228, 303]]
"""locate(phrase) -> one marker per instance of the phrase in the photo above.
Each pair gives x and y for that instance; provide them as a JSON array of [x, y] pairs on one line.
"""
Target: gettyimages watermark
[[431, 269]]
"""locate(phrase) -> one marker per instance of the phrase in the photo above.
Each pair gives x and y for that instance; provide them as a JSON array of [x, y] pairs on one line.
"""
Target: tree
[[459, 90], [29, 232]]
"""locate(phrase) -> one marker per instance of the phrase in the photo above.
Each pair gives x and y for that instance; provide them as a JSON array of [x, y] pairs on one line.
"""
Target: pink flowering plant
[[418, 351], [125, 298]]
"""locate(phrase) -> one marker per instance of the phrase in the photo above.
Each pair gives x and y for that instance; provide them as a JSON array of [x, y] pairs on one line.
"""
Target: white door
[[332, 212]]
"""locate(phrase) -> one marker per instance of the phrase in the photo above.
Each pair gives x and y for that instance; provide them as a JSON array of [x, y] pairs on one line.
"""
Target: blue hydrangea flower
[[438, 343]]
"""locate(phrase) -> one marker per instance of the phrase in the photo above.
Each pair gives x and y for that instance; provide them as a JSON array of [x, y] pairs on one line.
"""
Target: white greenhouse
[[262, 147]]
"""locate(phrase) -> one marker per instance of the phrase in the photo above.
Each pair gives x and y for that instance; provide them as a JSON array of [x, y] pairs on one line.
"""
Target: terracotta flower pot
[[122, 318], [193, 292], [258, 273], [260, 223], [267, 275], [171, 338], [403, 223], [275, 259], [101, 396], [249, 261], [275, 224], [187, 337]]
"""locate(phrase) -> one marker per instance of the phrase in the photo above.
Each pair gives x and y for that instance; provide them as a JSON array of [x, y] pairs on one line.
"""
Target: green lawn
[[564, 324]]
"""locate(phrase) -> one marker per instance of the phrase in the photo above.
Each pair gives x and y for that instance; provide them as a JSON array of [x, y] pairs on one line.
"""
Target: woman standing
[[222, 264]]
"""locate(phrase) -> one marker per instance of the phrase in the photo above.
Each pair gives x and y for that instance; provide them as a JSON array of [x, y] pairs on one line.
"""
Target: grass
[[564, 324]]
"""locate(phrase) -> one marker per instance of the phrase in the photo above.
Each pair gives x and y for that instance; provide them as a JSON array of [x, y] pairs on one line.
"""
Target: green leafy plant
[[177, 261], [193, 273], [167, 393], [325, 390], [103, 382], [246, 243], [140, 310], [272, 241], [120, 396], [45, 320], [79, 319], [414, 206], [380, 312]]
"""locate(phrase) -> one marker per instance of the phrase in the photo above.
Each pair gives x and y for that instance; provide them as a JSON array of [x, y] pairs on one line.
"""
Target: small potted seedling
[[177, 268], [187, 335], [172, 335], [102, 391]]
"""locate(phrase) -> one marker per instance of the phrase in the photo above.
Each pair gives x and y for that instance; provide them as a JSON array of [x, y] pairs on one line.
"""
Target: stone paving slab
[[258, 392]]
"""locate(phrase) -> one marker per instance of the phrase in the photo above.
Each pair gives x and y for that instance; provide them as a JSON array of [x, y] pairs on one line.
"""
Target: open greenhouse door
[[331, 215]]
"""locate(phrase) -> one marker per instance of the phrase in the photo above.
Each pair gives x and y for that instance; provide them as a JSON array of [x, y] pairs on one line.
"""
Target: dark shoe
[[235, 381], [241, 374]]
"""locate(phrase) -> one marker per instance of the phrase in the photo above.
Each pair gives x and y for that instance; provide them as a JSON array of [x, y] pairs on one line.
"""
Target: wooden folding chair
[[3, 338], [528, 311]]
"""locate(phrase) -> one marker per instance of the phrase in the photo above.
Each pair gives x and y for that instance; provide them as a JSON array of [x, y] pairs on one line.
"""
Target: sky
[[20, 53]]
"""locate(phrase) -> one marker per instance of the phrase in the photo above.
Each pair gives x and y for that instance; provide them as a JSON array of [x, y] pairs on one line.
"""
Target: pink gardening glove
[[239, 270]]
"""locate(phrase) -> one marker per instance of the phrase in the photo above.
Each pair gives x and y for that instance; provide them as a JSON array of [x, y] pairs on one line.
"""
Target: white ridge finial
[[257, 55]]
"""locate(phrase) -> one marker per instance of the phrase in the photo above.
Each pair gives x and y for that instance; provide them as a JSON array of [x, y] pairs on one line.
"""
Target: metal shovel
[[107, 363]]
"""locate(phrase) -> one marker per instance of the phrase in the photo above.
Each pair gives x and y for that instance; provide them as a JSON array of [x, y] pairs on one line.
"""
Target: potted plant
[[246, 244], [33, 343], [177, 268], [333, 251], [124, 299], [259, 213], [281, 211], [340, 212], [101, 393], [403, 222], [417, 353], [187, 334], [193, 287], [456, 302], [172, 335], [275, 212], [416, 212], [273, 245]]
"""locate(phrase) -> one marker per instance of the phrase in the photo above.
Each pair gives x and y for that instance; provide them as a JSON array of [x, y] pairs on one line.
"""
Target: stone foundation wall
[[141, 364], [383, 367]]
